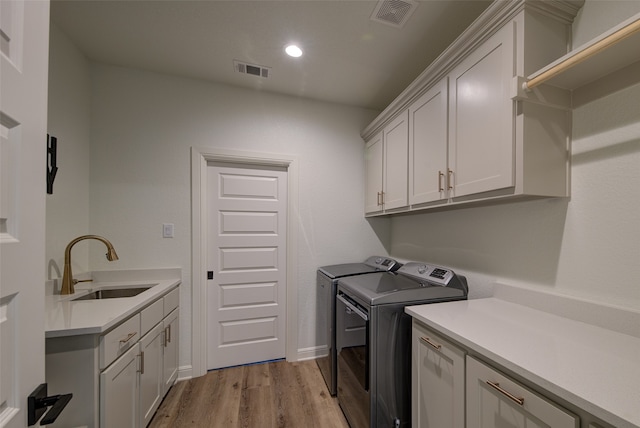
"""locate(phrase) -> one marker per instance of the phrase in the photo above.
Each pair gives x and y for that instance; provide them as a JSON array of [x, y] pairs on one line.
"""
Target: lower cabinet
[[170, 355], [437, 384], [151, 373], [493, 397], [119, 378], [453, 389], [119, 391]]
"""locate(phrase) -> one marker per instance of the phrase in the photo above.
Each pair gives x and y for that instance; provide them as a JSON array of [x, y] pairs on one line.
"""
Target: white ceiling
[[349, 59]]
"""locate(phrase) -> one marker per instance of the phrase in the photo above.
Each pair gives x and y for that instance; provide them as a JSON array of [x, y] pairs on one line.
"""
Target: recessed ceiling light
[[293, 50]]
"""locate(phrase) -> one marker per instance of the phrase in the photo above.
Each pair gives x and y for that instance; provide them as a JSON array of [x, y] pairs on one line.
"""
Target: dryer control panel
[[382, 263]]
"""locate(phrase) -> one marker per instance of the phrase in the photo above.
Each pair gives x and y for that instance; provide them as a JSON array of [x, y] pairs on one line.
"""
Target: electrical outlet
[[167, 230]]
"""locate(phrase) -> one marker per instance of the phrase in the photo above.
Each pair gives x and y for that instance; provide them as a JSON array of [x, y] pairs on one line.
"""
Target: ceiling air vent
[[252, 69], [394, 12]]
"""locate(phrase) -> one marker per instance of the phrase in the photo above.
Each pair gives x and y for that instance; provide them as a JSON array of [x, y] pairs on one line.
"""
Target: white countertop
[[595, 369], [66, 317]]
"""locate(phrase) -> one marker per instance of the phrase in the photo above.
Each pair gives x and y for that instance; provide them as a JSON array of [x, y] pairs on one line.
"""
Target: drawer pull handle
[[129, 337], [496, 386], [430, 343]]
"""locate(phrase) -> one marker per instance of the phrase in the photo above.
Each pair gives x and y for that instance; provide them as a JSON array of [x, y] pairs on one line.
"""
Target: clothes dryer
[[327, 280]]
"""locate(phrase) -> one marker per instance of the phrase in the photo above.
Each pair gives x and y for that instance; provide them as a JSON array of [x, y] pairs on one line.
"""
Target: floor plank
[[270, 395]]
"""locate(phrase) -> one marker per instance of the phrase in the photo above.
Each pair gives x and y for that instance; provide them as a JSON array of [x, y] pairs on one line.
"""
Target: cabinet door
[[170, 362], [493, 400], [481, 113], [428, 146], [151, 373], [373, 175], [437, 381], [119, 391], [396, 158]]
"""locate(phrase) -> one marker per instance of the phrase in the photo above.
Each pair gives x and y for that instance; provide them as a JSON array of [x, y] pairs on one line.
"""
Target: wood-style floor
[[269, 395]]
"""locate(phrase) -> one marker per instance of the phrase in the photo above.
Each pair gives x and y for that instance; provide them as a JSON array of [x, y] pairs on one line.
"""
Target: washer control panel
[[427, 273]]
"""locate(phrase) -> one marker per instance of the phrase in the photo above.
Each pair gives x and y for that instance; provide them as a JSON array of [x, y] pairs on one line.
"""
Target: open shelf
[[598, 64]]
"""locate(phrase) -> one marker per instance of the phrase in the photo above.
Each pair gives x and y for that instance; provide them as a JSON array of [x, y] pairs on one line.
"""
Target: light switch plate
[[167, 230]]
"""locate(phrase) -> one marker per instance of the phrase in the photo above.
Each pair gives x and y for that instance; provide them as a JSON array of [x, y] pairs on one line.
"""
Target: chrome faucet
[[67, 277]]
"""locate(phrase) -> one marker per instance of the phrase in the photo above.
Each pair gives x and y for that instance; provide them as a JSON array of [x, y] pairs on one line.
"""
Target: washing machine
[[327, 280], [374, 361]]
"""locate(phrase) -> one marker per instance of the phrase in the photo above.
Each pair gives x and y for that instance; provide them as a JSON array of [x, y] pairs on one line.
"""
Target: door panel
[[247, 252], [373, 164], [481, 146], [396, 158], [428, 145], [24, 42], [151, 374]]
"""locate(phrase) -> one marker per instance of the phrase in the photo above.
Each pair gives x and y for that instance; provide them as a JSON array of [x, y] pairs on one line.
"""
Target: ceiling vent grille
[[252, 69], [394, 12]]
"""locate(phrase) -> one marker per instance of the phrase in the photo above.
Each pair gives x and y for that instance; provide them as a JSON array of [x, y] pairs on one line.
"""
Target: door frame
[[200, 157]]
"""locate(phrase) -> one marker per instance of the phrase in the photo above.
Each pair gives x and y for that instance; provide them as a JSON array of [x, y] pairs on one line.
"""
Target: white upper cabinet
[[373, 153], [466, 131], [428, 146], [396, 152], [386, 157], [481, 143]]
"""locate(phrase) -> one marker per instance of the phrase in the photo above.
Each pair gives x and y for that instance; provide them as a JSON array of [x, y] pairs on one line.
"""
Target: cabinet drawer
[[119, 340], [171, 301], [492, 395], [151, 315]]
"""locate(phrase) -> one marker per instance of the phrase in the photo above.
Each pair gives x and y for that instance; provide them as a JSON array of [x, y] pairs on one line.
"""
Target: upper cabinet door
[[373, 153], [428, 146], [481, 140], [396, 155]]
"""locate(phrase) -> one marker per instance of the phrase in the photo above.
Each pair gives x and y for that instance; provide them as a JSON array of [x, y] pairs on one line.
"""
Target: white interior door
[[24, 41], [247, 253]]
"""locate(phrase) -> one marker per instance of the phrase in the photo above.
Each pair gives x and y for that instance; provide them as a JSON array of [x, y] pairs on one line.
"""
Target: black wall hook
[[52, 169]]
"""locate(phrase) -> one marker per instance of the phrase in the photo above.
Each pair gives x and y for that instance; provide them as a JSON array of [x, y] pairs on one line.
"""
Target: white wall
[[69, 121], [588, 245], [142, 128]]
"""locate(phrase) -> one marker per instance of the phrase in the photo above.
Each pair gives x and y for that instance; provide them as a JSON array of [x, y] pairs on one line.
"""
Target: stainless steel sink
[[113, 293]]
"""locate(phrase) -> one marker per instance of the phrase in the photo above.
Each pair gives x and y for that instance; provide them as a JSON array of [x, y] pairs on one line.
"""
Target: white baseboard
[[312, 353], [185, 373]]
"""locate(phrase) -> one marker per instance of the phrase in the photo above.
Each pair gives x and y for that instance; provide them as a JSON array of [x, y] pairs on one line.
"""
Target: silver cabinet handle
[[430, 343], [440, 175], [141, 362], [497, 387], [167, 335], [449, 179], [129, 337]]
